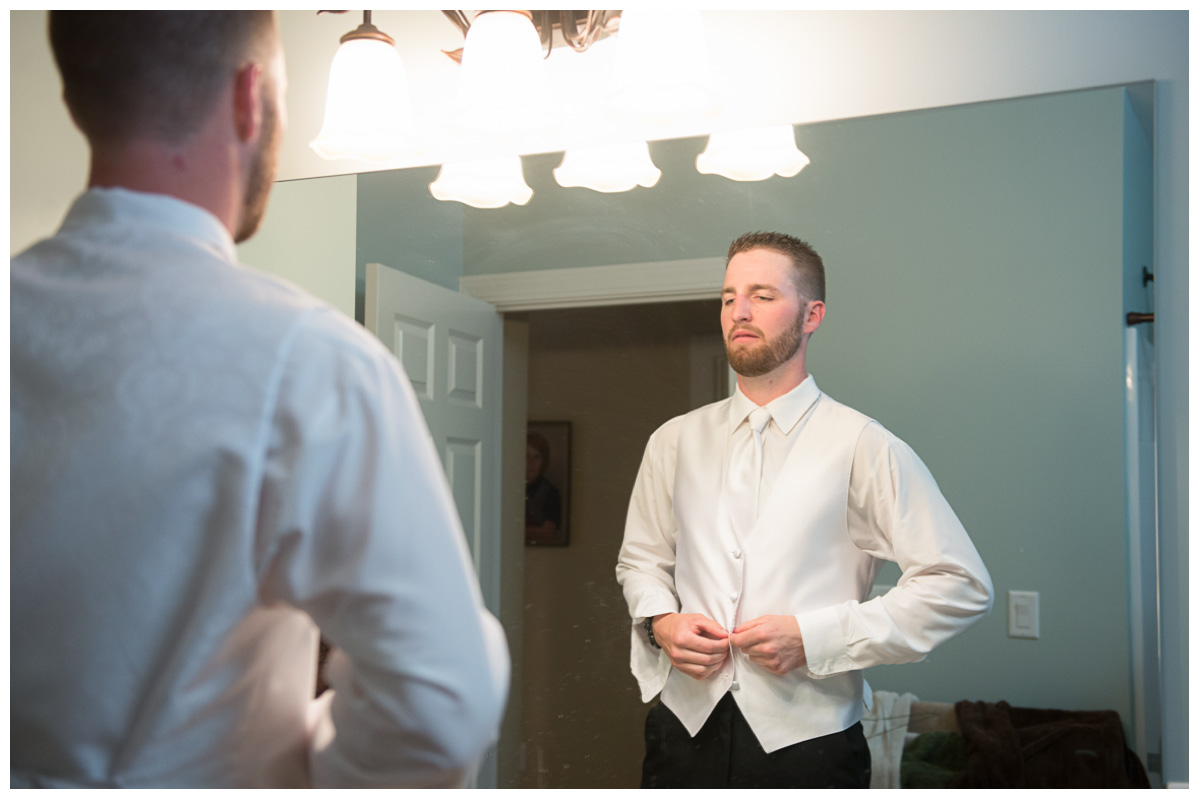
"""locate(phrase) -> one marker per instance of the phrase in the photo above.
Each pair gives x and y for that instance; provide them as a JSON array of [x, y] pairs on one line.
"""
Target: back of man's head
[[152, 74]]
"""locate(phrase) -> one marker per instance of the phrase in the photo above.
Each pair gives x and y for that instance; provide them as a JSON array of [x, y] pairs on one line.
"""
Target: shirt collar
[[786, 410], [122, 206]]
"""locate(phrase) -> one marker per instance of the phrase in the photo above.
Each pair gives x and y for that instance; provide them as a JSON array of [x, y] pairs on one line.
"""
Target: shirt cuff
[[824, 642], [650, 666], [653, 606]]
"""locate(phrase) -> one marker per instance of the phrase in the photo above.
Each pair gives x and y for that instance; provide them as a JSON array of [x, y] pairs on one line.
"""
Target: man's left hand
[[773, 642]]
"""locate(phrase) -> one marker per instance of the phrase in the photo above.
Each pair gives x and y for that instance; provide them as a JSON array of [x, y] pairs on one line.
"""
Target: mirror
[[980, 260]]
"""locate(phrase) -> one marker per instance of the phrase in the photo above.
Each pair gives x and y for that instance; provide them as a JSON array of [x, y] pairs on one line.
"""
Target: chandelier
[[660, 73]]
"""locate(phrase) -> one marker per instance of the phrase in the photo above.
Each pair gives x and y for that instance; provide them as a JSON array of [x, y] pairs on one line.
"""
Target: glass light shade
[[608, 168], [368, 115], [487, 183], [502, 83], [752, 155], [661, 70]]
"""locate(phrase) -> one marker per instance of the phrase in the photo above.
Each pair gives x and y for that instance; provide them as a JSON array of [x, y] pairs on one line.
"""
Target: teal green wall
[[977, 313], [975, 259], [402, 226]]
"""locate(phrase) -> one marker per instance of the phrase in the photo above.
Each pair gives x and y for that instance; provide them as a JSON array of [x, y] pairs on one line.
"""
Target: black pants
[[725, 754]]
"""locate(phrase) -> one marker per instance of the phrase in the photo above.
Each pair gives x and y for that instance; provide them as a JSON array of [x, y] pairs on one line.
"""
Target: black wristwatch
[[648, 624]]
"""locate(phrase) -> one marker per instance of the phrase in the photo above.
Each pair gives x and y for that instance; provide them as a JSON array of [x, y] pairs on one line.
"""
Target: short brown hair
[[153, 74], [809, 269]]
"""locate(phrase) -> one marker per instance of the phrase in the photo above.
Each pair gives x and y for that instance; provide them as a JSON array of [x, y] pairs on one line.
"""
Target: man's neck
[[765, 388], [196, 172]]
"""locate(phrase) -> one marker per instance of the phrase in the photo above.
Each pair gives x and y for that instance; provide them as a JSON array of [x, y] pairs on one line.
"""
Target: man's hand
[[773, 642], [696, 645]]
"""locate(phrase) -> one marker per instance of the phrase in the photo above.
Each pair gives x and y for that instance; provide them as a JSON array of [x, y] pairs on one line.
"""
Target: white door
[[450, 345]]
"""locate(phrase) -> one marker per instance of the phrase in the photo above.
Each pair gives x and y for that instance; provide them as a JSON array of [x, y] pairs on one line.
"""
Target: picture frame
[[547, 484]]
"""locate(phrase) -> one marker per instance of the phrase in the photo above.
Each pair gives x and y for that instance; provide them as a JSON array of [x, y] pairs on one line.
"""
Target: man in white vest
[[755, 530]]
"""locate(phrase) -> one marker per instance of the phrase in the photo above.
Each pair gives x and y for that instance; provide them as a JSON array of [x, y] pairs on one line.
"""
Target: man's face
[[261, 174], [762, 313]]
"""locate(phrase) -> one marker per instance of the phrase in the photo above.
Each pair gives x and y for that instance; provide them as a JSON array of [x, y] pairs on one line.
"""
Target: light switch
[[1023, 615]]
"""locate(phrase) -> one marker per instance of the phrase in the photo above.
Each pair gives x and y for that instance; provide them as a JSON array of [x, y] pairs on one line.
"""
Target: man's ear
[[814, 316], [247, 101]]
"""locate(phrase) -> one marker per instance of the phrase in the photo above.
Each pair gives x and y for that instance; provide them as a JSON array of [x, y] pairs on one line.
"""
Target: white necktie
[[745, 473]]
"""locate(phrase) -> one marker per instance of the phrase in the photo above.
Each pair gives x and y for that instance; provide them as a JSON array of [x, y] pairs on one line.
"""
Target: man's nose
[[741, 309]]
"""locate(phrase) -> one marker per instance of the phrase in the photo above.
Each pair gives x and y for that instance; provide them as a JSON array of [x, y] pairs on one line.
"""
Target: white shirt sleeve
[[896, 512], [358, 529], [646, 564]]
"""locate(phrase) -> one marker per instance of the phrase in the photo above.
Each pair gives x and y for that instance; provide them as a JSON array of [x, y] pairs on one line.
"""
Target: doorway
[[615, 373]]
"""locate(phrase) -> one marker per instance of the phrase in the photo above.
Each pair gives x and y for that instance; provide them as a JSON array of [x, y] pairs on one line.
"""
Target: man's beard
[[751, 362], [260, 177]]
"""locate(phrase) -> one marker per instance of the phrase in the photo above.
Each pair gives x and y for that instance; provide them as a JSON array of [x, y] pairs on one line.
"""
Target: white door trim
[[616, 284]]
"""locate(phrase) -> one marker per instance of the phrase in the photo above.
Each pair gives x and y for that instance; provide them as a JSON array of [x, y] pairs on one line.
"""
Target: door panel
[[450, 346], [412, 343]]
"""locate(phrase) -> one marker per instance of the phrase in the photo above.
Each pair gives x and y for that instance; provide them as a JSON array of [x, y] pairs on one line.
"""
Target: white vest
[[733, 579]]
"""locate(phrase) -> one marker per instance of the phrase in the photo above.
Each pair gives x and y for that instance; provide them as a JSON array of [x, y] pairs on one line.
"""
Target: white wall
[[828, 65], [47, 157]]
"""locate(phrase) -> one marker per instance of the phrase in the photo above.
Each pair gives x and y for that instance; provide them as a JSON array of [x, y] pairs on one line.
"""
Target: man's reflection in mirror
[[755, 530]]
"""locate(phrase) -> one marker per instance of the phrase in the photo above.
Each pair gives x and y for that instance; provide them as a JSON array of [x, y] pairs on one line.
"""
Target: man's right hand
[[696, 645]]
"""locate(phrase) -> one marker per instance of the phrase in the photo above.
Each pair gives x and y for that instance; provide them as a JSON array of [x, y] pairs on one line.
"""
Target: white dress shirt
[[206, 461], [855, 496]]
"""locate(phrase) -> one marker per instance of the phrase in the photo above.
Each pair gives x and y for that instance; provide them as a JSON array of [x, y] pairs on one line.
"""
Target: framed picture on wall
[[547, 483]]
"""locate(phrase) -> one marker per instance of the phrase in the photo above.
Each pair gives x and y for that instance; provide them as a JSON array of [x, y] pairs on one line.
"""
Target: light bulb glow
[[608, 168], [487, 183], [752, 155], [367, 110], [502, 83], [662, 71]]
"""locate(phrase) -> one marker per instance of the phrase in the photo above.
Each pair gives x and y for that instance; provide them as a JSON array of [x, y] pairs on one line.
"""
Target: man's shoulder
[[868, 433], [830, 407], [184, 280], [259, 288], [277, 307], [244, 290], [704, 418], [321, 322], [315, 330]]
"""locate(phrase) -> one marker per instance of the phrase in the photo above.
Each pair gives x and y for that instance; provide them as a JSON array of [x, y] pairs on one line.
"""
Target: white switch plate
[[1023, 615]]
